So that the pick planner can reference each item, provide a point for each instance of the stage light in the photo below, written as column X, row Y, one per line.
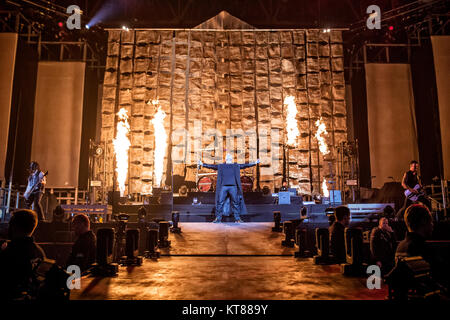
column 164, row 241
column 152, row 251
column 125, row 28
column 60, row 24
column 104, row 265
column 58, row 214
column 277, row 221
column 329, row 212
column 87, row 27
column 317, row 198
column 303, row 213
column 323, row 246
column 391, row 28
column 131, row 257
column 175, row 219
column 142, row 214
column 289, row 232
column 301, row 238
column 183, row 191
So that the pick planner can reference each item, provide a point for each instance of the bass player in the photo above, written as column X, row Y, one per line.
column 413, row 189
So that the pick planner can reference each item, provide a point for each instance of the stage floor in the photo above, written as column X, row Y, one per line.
column 203, row 265
column 254, row 238
column 228, row 278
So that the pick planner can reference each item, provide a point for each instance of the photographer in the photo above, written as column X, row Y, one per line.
column 20, row 257
column 383, row 245
column 84, row 249
column 420, row 228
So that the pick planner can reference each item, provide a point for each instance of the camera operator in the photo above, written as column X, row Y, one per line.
column 84, row 248
column 420, row 228
column 20, row 257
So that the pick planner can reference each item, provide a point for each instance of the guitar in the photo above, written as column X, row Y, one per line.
column 415, row 196
column 31, row 189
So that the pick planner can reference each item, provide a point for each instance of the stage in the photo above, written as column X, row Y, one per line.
column 227, row 261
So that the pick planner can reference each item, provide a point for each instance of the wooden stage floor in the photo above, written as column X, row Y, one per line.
column 227, row 262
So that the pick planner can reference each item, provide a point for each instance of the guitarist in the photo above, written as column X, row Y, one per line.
column 410, row 180
column 35, row 188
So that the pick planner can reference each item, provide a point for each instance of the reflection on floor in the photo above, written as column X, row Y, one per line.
column 268, row 272
column 227, row 239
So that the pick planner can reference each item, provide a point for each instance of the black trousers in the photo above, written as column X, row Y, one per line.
column 407, row 203
column 233, row 193
column 35, row 201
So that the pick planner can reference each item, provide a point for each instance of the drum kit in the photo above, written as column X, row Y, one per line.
column 207, row 182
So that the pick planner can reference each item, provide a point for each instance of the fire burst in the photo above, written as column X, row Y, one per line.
column 325, row 191
column 160, row 143
column 121, row 147
column 321, row 131
column 291, row 121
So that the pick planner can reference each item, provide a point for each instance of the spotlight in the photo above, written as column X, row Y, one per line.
column 183, row 191
column 104, row 265
column 87, row 26
column 175, row 219
column 329, row 212
column 304, row 213
column 301, row 238
column 142, row 213
column 125, row 28
column 152, row 251
column 58, row 214
column 277, row 221
column 131, row 257
column 289, row 233
column 322, row 246
column 164, row 241
column 317, row 198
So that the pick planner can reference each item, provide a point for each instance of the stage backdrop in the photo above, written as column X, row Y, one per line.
column 57, row 121
column 441, row 53
column 8, row 45
column 392, row 131
column 235, row 79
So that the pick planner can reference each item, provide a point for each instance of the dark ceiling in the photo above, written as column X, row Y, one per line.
column 259, row 13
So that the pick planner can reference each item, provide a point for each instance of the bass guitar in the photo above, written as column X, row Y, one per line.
column 30, row 189
column 415, row 196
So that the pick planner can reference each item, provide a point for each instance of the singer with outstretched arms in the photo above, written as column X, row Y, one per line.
column 229, row 184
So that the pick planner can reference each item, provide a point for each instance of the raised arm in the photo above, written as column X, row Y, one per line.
column 208, row 166
column 248, row 165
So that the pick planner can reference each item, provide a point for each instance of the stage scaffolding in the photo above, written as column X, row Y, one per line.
column 229, row 80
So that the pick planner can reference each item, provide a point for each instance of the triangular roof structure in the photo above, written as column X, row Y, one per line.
column 223, row 21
